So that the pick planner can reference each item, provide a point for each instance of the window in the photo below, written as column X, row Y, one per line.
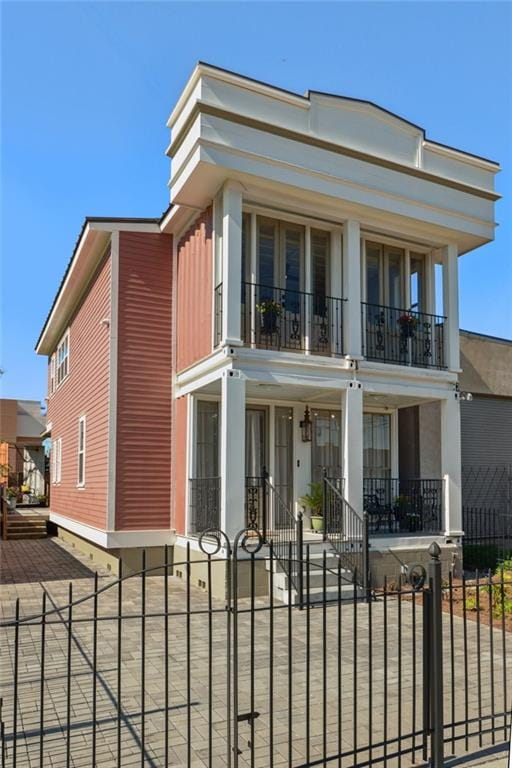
column 56, row 459
column 207, row 445
column 81, row 451
column 63, row 359
column 326, row 444
column 52, row 374
column 377, row 445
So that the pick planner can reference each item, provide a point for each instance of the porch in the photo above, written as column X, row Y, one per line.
column 252, row 459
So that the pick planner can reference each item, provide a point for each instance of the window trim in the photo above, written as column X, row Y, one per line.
column 57, row 461
column 64, row 340
column 52, row 374
column 81, row 452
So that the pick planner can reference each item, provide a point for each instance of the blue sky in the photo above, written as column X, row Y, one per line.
column 87, row 88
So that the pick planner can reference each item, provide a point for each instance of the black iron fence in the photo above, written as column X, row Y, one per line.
column 402, row 336
column 407, row 506
column 487, row 538
column 273, row 318
column 156, row 670
column 204, row 503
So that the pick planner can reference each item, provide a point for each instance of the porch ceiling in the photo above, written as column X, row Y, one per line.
column 312, row 395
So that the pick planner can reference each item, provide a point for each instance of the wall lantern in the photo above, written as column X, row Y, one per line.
column 306, row 427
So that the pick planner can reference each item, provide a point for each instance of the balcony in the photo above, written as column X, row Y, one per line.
column 274, row 318
column 402, row 336
column 403, row 506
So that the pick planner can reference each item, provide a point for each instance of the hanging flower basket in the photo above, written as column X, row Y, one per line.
column 407, row 325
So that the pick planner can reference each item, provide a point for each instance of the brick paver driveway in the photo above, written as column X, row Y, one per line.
column 129, row 709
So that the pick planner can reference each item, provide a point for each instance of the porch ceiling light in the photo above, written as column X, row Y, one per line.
column 306, row 427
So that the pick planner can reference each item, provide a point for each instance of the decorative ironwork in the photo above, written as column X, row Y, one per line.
column 102, row 666
column 405, row 337
column 403, row 506
column 273, row 318
column 204, row 504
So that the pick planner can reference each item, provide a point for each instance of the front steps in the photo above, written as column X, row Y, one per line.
column 26, row 526
column 346, row 591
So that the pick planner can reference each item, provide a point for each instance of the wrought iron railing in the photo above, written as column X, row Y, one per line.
column 273, row 318
column 403, row 336
column 346, row 531
column 218, row 314
column 403, row 506
column 204, row 504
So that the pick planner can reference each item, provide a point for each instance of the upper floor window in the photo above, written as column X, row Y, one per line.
column 395, row 277
column 62, row 360
column 81, row 451
column 52, row 374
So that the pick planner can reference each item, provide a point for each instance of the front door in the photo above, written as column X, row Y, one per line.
column 283, row 455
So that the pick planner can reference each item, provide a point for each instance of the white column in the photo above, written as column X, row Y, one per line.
column 336, row 291
column 231, row 261
column 451, row 464
column 352, row 288
column 352, row 424
column 451, row 306
column 232, row 453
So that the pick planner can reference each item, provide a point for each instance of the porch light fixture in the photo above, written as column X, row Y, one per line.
column 306, row 427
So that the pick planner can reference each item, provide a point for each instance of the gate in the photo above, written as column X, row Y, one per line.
column 152, row 669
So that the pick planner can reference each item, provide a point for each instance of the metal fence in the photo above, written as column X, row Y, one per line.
column 153, row 670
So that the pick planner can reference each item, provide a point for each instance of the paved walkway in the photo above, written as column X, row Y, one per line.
column 197, row 648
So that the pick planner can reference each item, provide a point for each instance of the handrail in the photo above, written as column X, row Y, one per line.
column 3, row 505
column 347, row 532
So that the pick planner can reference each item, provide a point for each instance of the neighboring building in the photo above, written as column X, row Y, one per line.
column 486, row 421
column 292, row 279
column 22, row 454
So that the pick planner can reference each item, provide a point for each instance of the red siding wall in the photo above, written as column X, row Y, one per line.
column 179, row 464
column 195, row 293
column 85, row 391
column 143, row 456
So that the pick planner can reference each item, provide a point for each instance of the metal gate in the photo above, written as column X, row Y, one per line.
column 152, row 669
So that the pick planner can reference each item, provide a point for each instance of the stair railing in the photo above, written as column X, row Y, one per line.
column 285, row 533
column 347, row 532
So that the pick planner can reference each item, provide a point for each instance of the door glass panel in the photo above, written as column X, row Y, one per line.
column 377, row 445
column 326, row 444
column 254, row 442
column 266, row 256
column 320, row 269
column 417, row 282
column 292, row 261
column 284, row 454
column 373, row 274
column 394, row 298
column 207, row 446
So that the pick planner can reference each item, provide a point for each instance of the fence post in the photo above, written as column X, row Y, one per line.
column 324, row 503
column 264, row 478
column 300, row 559
column 366, row 557
column 436, row 657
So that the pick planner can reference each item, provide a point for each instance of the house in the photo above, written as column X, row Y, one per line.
column 486, row 421
column 22, row 455
column 293, row 314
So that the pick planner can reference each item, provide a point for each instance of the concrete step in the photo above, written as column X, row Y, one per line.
column 316, row 595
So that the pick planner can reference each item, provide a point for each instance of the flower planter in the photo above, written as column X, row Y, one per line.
column 317, row 523
column 11, row 502
column 269, row 323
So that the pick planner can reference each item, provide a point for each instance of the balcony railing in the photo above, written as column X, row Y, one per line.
column 273, row 318
column 204, row 504
column 403, row 506
column 218, row 314
column 402, row 336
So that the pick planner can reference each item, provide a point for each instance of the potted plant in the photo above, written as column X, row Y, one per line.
column 314, row 501
column 269, row 310
column 11, row 494
column 407, row 323
column 41, row 499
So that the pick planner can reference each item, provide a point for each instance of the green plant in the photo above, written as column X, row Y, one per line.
column 471, row 603
column 41, row 498
column 269, row 306
column 11, row 492
column 315, row 499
